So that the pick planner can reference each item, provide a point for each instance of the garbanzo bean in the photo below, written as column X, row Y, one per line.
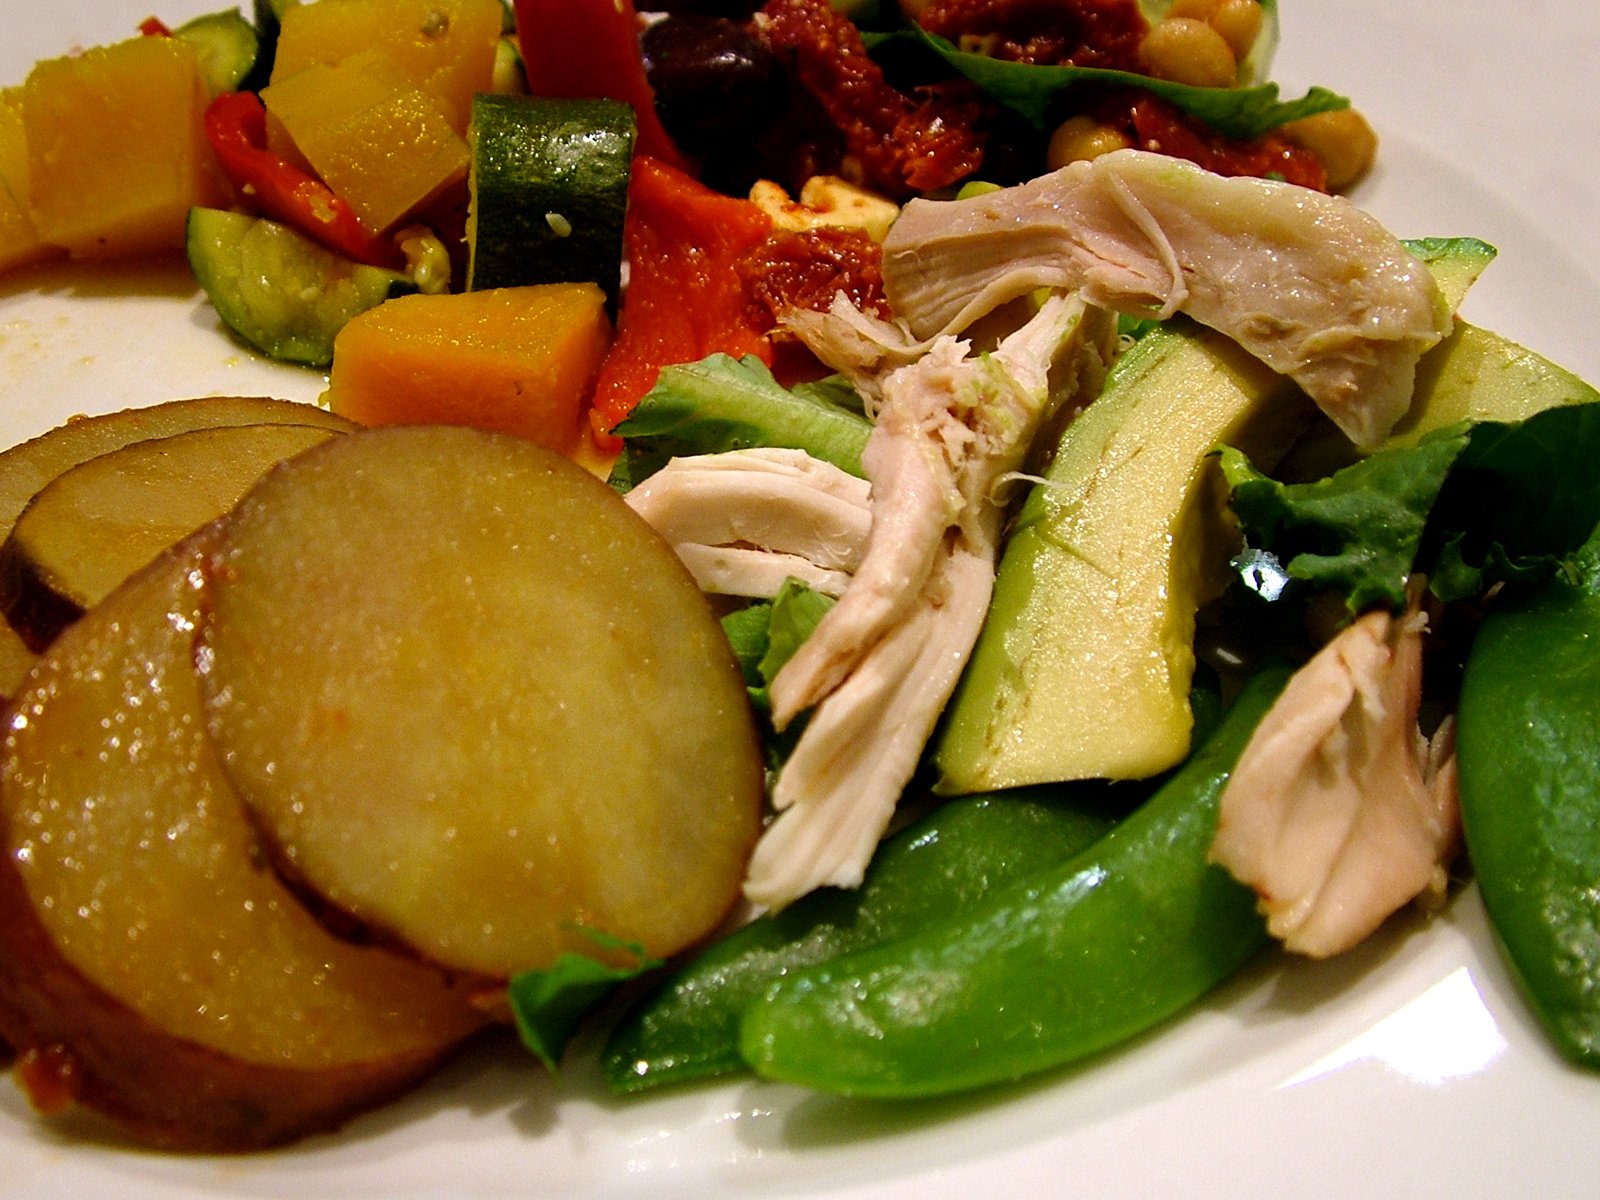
column 1080, row 138
column 1199, row 10
column 1184, row 50
column 1239, row 22
column 1342, row 139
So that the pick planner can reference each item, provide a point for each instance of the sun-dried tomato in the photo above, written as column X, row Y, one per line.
column 901, row 143
column 807, row 268
column 1153, row 124
column 1078, row 33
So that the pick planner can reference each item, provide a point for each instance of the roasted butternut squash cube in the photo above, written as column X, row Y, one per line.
column 117, row 151
column 445, row 47
column 383, row 144
column 19, row 240
column 517, row 360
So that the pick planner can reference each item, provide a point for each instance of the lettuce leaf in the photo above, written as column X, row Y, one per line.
column 548, row 1006
column 722, row 403
column 764, row 636
column 1471, row 506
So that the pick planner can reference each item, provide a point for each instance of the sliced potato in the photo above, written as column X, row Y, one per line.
column 28, row 466
column 476, row 703
column 96, row 523
column 147, row 959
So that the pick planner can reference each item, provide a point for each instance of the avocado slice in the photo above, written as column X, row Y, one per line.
column 1084, row 666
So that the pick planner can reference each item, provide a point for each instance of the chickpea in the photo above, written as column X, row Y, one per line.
column 1184, row 50
column 1078, row 139
column 1198, row 10
column 1239, row 22
column 1342, row 139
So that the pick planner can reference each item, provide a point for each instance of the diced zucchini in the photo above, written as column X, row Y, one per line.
column 227, row 46
column 549, row 187
column 277, row 289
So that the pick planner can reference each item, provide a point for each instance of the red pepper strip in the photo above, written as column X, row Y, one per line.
column 154, row 27
column 590, row 48
column 685, row 298
column 236, row 126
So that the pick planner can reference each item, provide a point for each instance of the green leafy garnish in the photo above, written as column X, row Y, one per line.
column 1471, row 505
column 1033, row 91
column 764, row 636
column 722, row 403
column 548, row 1006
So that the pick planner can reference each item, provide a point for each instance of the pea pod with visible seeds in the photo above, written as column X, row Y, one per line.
column 688, row 1027
column 1058, row 966
column 1528, row 746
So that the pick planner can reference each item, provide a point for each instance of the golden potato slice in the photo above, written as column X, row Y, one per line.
column 150, row 965
column 96, row 523
column 476, row 702
column 28, row 466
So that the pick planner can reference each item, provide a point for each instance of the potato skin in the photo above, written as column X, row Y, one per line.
column 166, row 1092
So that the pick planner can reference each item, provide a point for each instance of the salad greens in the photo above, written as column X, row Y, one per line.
column 1469, row 506
column 723, row 403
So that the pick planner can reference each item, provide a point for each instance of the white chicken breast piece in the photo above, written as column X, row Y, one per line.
column 879, row 667
column 1308, row 283
column 745, row 521
column 1339, row 812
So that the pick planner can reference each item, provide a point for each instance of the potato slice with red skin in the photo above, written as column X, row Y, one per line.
column 96, row 523
column 150, row 966
column 476, row 703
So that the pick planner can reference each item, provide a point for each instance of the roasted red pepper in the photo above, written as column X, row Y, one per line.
column 236, row 126
column 685, row 297
column 590, row 48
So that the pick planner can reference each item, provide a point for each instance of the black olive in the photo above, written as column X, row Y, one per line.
column 715, row 83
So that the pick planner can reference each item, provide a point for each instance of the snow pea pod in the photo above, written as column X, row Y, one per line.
column 1065, row 963
column 688, row 1026
column 1528, row 746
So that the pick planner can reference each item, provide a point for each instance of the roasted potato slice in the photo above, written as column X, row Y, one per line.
column 96, row 523
column 28, row 466
column 150, row 965
column 476, row 703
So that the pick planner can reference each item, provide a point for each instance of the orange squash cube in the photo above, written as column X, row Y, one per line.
column 383, row 144
column 518, row 360
column 117, row 151
column 444, row 47
column 19, row 240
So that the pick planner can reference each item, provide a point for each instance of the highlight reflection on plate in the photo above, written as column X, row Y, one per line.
column 1409, row 1068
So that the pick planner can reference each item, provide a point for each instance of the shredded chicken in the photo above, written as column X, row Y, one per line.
column 1340, row 812
column 745, row 521
column 880, row 666
column 1308, row 283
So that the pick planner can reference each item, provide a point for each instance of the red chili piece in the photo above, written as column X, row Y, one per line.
column 685, row 298
column 590, row 48
column 236, row 126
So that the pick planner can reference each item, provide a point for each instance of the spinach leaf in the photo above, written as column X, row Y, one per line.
column 1032, row 91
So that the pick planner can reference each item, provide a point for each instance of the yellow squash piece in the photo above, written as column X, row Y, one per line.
column 518, row 360
column 445, row 47
column 383, row 144
column 19, row 240
column 116, row 147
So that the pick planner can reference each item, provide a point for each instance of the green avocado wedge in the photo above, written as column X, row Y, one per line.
column 1529, row 756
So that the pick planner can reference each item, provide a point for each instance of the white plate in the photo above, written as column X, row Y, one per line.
column 1407, row 1069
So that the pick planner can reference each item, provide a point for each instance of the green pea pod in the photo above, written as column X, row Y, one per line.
column 688, row 1027
column 1065, row 963
column 1528, row 748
